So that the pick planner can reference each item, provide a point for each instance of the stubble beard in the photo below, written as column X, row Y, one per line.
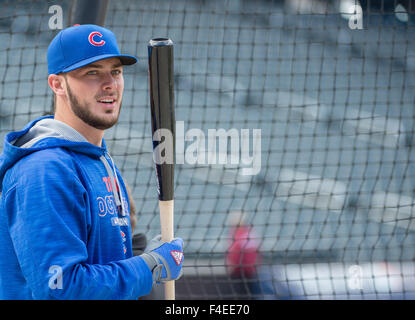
column 83, row 112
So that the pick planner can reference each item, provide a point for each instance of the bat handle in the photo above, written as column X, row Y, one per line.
column 167, row 234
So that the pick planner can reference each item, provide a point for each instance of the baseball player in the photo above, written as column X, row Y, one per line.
column 65, row 228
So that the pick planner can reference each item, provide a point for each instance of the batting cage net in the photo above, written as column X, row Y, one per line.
column 294, row 174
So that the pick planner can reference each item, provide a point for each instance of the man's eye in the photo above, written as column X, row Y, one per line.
column 92, row 72
column 116, row 72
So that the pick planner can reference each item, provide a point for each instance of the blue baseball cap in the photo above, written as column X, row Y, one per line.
column 77, row 46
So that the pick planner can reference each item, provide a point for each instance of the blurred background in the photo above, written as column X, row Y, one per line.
column 331, row 86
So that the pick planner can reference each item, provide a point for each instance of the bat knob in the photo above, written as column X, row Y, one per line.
column 159, row 42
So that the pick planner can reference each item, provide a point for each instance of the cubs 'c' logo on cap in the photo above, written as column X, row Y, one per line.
column 95, row 34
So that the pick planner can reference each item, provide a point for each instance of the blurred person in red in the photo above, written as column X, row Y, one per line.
column 243, row 260
column 250, row 278
column 243, row 254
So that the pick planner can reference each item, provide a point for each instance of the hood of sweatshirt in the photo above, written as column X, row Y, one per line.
column 46, row 132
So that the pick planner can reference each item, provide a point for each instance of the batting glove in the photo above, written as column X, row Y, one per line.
column 165, row 259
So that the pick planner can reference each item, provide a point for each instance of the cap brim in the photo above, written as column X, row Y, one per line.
column 125, row 60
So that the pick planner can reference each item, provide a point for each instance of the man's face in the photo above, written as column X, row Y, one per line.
column 95, row 92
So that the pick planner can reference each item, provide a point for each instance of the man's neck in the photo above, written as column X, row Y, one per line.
column 93, row 135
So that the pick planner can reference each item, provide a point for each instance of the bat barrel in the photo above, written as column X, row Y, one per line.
column 161, row 77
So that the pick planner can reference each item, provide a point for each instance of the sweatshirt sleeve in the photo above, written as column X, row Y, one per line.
column 48, row 224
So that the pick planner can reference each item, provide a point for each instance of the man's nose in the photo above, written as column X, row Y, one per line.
column 109, row 82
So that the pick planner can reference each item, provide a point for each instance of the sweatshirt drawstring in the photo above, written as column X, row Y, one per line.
column 119, row 186
column 119, row 201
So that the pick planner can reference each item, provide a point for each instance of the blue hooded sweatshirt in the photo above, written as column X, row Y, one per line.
column 64, row 219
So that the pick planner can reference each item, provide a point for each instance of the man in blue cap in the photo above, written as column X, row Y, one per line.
column 64, row 211
column 85, row 73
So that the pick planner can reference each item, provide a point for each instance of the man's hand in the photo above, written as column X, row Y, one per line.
column 165, row 259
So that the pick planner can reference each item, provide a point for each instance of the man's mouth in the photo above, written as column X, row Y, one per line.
column 107, row 101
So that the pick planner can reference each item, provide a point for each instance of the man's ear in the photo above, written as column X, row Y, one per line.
column 57, row 84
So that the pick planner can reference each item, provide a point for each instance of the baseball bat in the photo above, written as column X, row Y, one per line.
column 161, row 78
